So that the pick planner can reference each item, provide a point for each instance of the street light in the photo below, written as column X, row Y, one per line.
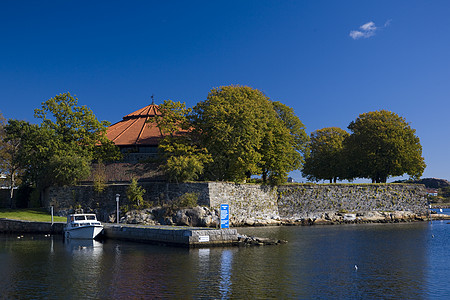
column 117, row 202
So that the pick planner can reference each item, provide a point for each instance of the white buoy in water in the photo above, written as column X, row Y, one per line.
column 356, row 268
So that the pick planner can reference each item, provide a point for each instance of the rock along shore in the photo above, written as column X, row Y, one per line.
column 206, row 217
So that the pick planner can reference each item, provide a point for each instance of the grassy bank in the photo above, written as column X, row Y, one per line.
column 37, row 215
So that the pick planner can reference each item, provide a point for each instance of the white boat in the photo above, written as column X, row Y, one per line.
column 82, row 226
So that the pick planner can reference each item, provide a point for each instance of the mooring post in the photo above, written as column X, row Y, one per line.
column 51, row 208
column 429, row 214
column 117, row 202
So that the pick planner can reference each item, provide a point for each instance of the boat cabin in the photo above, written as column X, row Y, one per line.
column 76, row 220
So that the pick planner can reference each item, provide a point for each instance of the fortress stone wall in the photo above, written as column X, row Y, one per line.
column 250, row 201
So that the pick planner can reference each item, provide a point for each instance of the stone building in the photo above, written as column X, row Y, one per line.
column 135, row 135
column 137, row 138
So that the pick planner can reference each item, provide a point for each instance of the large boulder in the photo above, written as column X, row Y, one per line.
column 197, row 217
column 194, row 217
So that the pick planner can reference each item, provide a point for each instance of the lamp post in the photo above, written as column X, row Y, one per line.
column 117, row 202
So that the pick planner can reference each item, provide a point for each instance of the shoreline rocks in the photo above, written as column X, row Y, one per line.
column 193, row 217
column 205, row 217
column 244, row 240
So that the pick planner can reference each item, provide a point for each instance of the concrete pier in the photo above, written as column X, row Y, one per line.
column 172, row 235
column 19, row 226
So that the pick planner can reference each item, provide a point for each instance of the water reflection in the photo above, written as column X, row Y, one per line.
column 225, row 273
column 83, row 265
column 202, row 277
column 92, row 248
column 395, row 261
column 203, row 263
column 320, row 261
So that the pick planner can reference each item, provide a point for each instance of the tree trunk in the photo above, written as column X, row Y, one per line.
column 11, row 192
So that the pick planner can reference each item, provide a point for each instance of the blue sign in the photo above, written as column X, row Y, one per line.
column 224, row 216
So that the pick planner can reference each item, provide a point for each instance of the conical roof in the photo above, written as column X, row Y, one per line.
column 134, row 130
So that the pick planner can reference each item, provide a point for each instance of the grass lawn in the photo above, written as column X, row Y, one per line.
column 30, row 214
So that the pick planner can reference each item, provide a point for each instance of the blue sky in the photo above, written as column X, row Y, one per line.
column 329, row 60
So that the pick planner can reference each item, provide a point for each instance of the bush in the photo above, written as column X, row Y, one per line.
column 99, row 177
column 135, row 194
column 187, row 200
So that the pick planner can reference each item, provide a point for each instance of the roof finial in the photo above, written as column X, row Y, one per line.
column 153, row 100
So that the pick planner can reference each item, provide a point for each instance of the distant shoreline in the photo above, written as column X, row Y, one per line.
column 22, row 226
column 440, row 205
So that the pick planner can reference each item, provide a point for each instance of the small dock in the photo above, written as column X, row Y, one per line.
column 157, row 234
column 172, row 235
column 181, row 236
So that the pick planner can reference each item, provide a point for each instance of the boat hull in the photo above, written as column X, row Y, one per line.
column 83, row 232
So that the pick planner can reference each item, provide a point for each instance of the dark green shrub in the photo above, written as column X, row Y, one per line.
column 187, row 200
column 135, row 194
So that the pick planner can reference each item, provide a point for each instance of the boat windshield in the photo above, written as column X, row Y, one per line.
column 90, row 217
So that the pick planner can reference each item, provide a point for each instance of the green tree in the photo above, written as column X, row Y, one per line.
column 135, row 194
column 59, row 150
column 76, row 128
column 235, row 133
column 283, row 145
column 173, row 119
column 247, row 134
column 383, row 144
column 231, row 123
column 326, row 159
column 99, row 176
column 32, row 154
column 67, row 168
column 183, row 159
column 9, row 165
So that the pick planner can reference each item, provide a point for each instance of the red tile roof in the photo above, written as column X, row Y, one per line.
column 133, row 129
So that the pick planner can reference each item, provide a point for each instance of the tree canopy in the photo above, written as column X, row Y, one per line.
column 183, row 159
column 8, row 162
column 326, row 159
column 230, row 124
column 383, row 144
column 283, row 145
column 76, row 128
column 235, row 133
column 59, row 150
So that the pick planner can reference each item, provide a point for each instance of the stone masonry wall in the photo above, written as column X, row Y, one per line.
column 66, row 199
column 250, row 201
column 10, row 226
column 309, row 200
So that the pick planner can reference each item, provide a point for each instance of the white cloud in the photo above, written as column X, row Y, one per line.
column 356, row 34
column 367, row 30
column 369, row 27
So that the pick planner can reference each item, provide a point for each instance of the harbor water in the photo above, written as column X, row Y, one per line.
column 369, row 261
